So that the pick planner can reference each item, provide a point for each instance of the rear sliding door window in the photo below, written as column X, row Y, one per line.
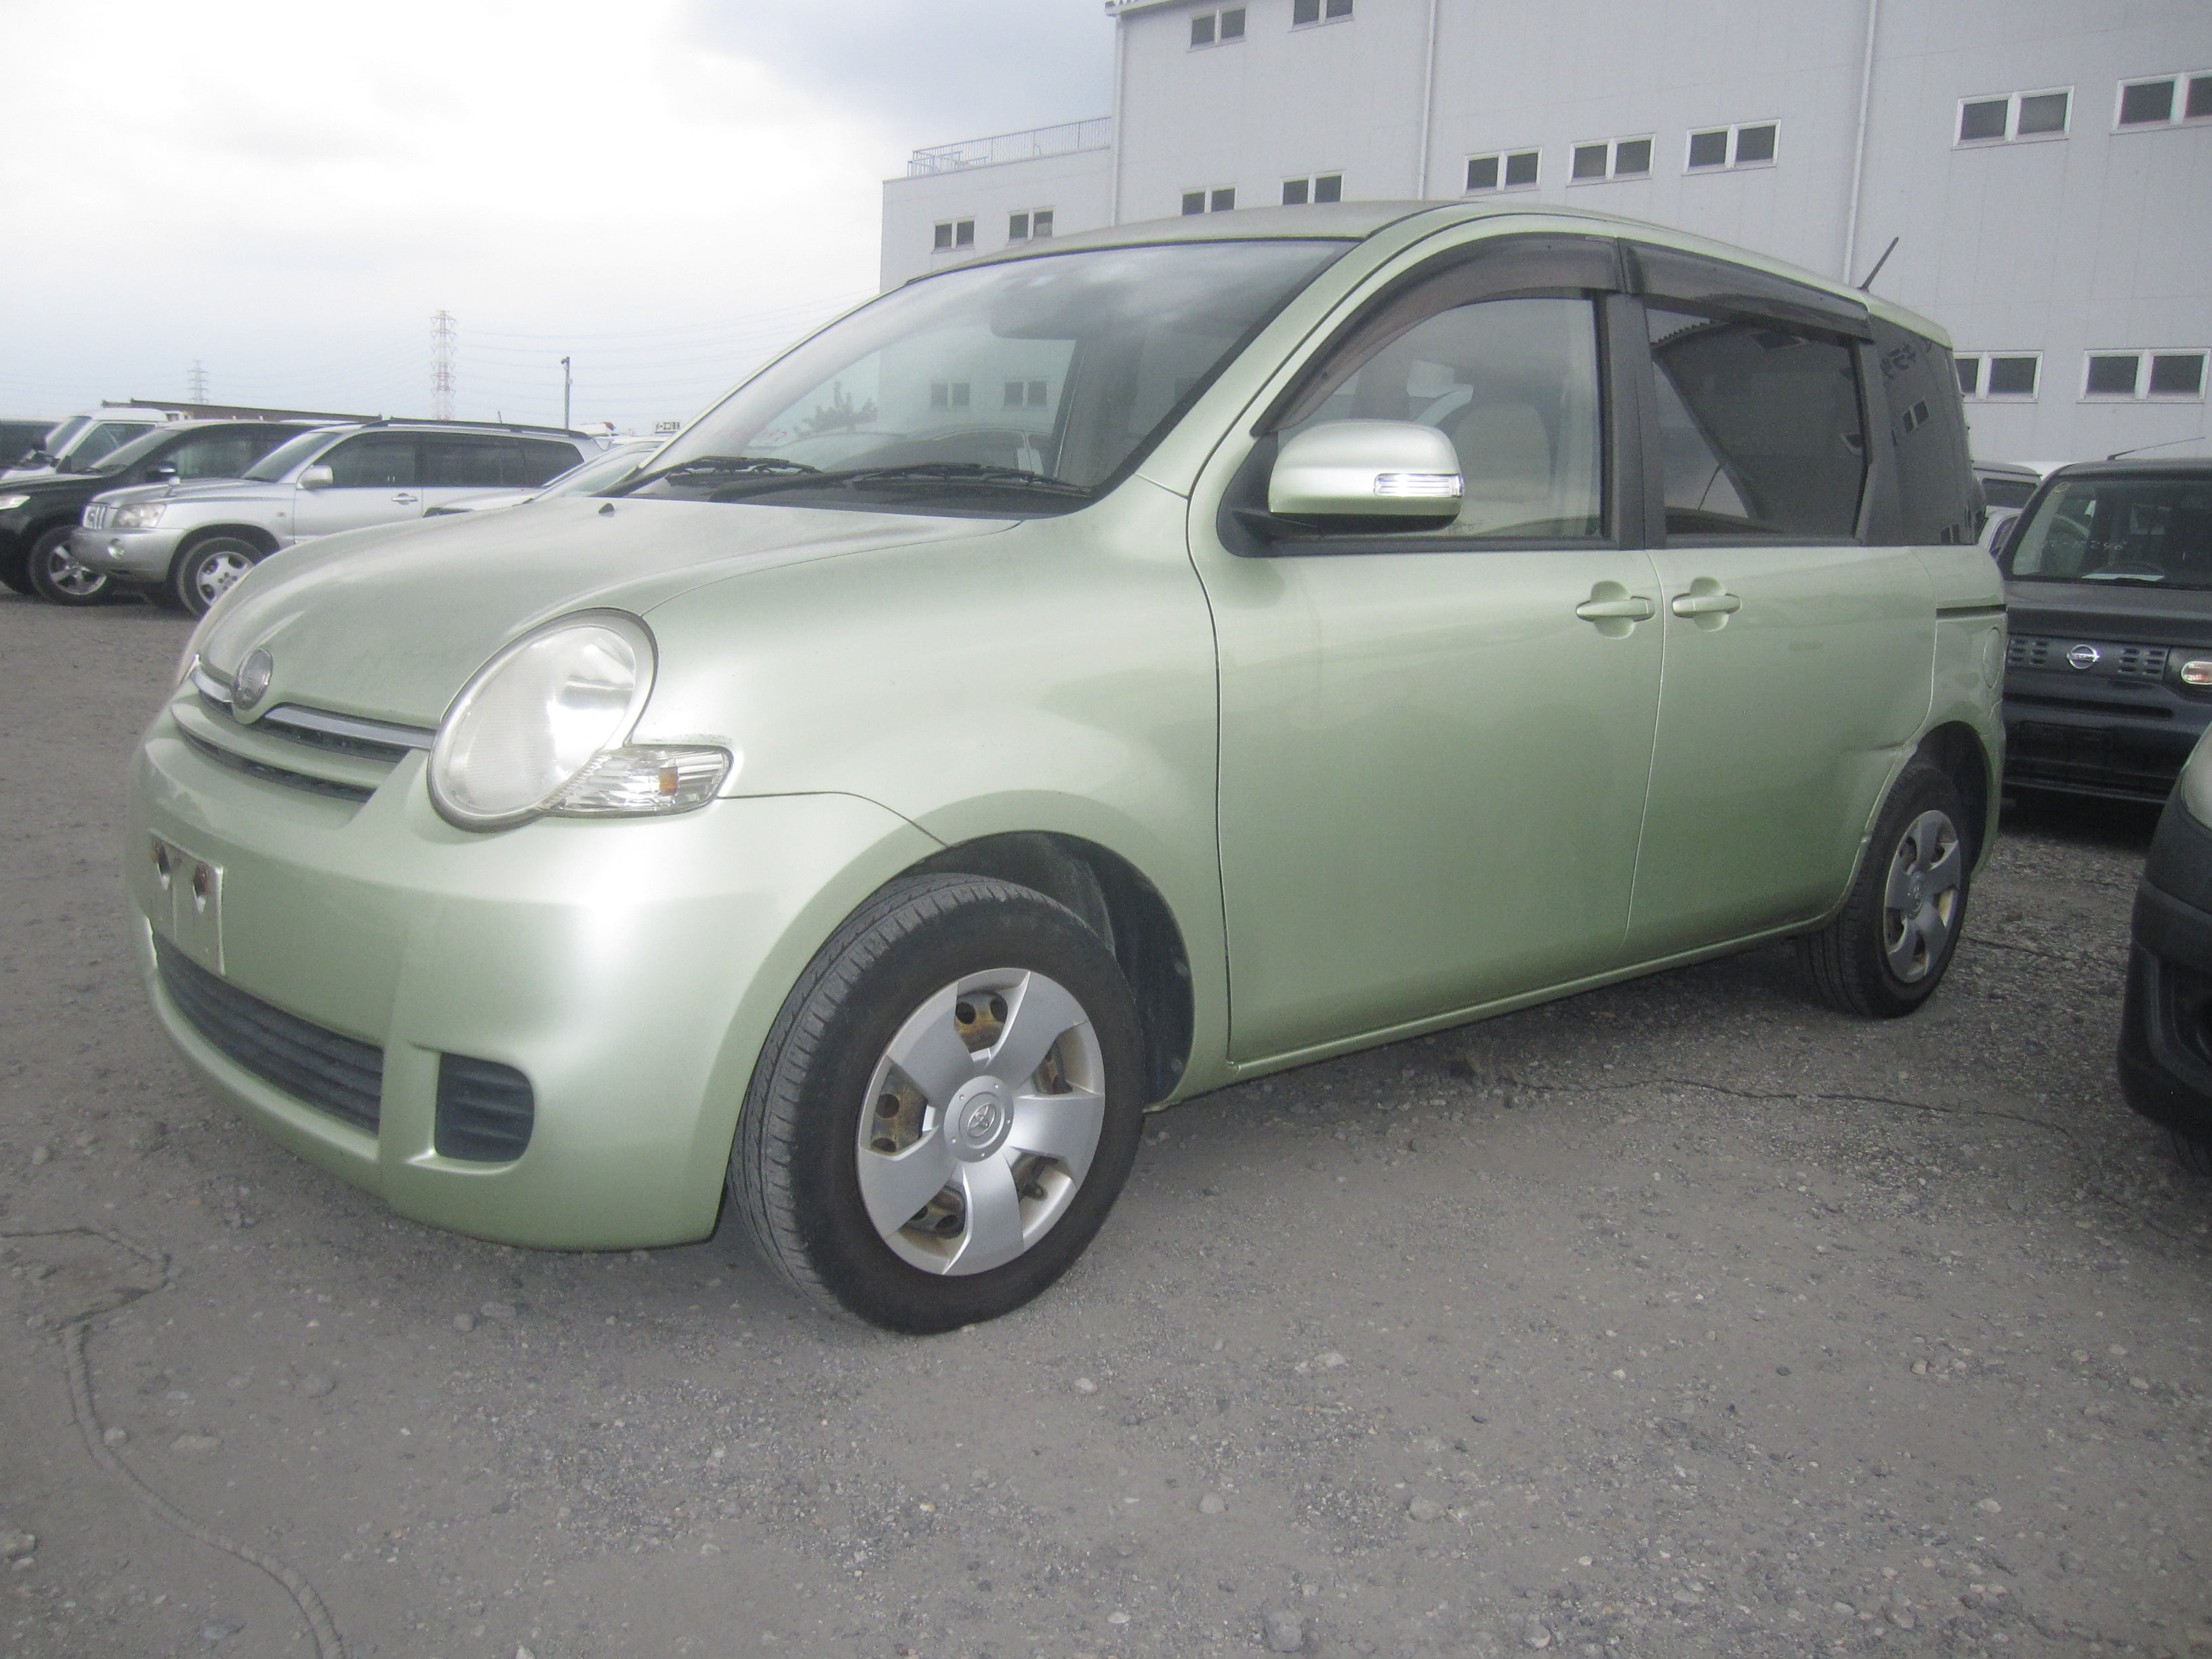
column 1759, row 429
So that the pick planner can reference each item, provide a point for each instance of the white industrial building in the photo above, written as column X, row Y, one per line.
column 2043, row 167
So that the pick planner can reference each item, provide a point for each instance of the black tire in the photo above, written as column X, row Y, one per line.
column 826, row 1077
column 2192, row 1154
column 205, row 571
column 15, row 569
column 1888, row 949
column 59, row 578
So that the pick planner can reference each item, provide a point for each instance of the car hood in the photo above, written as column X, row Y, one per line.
column 390, row 624
column 198, row 490
column 2099, row 610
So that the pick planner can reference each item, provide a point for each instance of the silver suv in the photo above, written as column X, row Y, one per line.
column 187, row 543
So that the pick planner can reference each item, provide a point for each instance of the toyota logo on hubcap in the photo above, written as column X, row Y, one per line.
column 2085, row 657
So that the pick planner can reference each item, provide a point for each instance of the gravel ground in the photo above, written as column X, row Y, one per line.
column 1683, row 1318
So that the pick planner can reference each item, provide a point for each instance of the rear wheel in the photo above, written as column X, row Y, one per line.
column 209, row 569
column 945, row 1109
column 1886, row 951
column 57, row 575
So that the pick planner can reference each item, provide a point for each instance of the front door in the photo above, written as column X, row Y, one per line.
column 1435, row 747
column 374, row 480
column 1798, row 659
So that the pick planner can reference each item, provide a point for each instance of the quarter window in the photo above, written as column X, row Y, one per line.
column 955, row 234
column 1611, row 158
column 2165, row 100
column 1324, row 187
column 2162, row 374
column 1750, row 145
column 1759, row 429
column 1513, row 169
column 2000, row 373
column 2002, row 118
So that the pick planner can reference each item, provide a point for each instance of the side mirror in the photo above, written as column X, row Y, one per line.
column 160, row 472
column 318, row 476
column 1367, row 469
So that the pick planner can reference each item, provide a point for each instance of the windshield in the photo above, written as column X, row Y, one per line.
column 2119, row 530
column 599, row 471
column 283, row 458
column 1008, row 389
column 96, row 442
column 130, row 454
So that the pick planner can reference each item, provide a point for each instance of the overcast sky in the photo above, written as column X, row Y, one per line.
column 285, row 191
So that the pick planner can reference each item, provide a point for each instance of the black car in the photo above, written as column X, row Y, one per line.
column 21, row 437
column 38, row 513
column 2165, row 1025
column 2108, row 584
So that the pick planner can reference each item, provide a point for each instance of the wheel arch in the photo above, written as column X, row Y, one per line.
column 1123, row 906
column 1957, row 749
column 245, row 533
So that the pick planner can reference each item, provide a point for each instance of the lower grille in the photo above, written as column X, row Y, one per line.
column 2094, row 762
column 485, row 1110
column 336, row 1074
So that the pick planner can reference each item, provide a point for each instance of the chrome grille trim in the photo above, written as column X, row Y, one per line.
column 314, row 725
column 268, row 773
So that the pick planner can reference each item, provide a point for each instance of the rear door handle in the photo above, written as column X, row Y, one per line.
column 404, row 496
column 1695, row 603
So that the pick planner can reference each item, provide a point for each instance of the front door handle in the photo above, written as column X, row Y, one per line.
column 1633, row 607
column 1698, row 603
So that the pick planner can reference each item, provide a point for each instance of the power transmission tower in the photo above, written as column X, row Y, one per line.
column 196, row 384
column 442, row 341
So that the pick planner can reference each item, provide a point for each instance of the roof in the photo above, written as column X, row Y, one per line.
column 1352, row 222
column 2167, row 466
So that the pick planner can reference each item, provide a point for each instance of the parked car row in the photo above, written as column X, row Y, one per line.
column 180, row 513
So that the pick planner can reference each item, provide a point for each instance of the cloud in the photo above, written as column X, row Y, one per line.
column 665, row 190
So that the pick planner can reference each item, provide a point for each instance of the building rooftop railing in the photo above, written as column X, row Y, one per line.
column 1063, row 140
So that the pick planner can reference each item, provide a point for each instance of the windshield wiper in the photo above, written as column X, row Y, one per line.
column 718, row 466
column 988, row 475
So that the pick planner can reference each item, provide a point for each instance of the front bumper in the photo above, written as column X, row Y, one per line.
column 629, row 970
column 2165, row 1021
column 142, row 555
column 2065, row 738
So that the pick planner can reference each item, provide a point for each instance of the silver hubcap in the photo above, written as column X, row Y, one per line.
column 78, row 581
column 1921, row 905
column 215, row 573
column 981, row 1121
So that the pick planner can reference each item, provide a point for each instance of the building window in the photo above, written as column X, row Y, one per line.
column 1220, row 199
column 1613, row 158
column 2015, row 115
column 1513, row 170
column 1751, row 145
column 1318, row 11
column 1999, row 373
column 2138, row 374
column 1211, row 28
column 1028, row 394
column 1035, row 225
column 1322, row 187
column 948, row 394
column 2165, row 100
column 955, row 233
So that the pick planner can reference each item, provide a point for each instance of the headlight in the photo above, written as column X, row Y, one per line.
column 537, row 731
column 9, row 503
column 137, row 516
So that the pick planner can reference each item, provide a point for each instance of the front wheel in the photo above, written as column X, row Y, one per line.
column 59, row 577
column 207, row 569
column 1888, row 949
column 945, row 1109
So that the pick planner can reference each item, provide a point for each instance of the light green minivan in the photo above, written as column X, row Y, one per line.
column 1074, row 681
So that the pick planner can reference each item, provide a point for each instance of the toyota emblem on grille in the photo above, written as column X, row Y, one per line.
column 253, row 682
column 2083, row 657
